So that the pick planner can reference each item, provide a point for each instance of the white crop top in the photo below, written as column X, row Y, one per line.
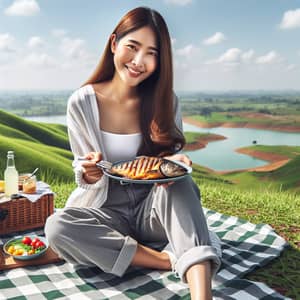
column 121, row 146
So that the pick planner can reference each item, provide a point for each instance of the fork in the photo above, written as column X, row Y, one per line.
column 102, row 164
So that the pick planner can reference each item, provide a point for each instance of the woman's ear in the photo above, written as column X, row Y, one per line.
column 113, row 42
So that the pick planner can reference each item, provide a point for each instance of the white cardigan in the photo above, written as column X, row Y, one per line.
column 84, row 136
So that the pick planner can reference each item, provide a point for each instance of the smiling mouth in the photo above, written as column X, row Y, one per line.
column 132, row 72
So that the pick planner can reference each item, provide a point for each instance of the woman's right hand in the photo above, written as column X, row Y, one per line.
column 91, row 173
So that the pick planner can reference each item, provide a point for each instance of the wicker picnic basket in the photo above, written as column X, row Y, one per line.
column 21, row 214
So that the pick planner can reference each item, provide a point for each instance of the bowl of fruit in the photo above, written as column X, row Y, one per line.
column 26, row 247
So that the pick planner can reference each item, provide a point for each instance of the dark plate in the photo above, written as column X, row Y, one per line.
column 150, row 181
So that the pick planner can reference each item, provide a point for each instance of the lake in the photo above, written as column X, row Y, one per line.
column 220, row 155
column 61, row 119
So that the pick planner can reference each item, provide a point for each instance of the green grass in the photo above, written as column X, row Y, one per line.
column 279, row 209
column 288, row 151
column 221, row 117
column 49, row 135
column 193, row 137
column 286, row 177
column 29, row 155
column 217, row 118
column 250, row 195
column 35, row 144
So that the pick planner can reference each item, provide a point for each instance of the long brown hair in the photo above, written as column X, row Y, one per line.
column 160, row 133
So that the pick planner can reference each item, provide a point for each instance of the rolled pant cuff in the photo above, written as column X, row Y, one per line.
column 197, row 255
column 125, row 257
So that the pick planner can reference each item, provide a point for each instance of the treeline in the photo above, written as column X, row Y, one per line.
column 47, row 103
column 35, row 104
column 273, row 105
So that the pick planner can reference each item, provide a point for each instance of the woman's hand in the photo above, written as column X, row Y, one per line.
column 91, row 173
column 179, row 157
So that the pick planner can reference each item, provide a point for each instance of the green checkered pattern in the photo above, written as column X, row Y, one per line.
column 245, row 246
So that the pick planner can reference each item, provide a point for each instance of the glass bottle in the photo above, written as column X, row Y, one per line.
column 11, row 175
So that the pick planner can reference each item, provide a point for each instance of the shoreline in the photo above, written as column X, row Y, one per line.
column 202, row 142
column 265, row 168
column 275, row 160
column 281, row 128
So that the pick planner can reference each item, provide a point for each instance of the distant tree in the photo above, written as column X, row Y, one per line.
column 265, row 111
column 206, row 112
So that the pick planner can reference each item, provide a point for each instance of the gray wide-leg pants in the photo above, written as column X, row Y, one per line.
column 135, row 213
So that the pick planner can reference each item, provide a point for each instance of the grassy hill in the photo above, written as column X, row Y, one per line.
column 286, row 177
column 53, row 135
column 46, row 146
column 36, row 145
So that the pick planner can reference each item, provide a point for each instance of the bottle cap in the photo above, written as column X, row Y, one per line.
column 10, row 153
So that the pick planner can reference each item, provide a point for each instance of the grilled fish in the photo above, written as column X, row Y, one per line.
column 147, row 167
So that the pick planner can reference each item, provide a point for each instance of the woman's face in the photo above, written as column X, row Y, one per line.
column 135, row 55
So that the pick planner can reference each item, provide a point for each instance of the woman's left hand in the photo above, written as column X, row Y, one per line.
column 179, row 157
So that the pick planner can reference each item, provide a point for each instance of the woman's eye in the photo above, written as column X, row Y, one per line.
column 153, row 53
column 132, row 47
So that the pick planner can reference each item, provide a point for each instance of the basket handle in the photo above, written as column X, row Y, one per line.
column 3, row 214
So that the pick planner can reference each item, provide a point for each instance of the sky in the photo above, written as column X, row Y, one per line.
column 217, row 45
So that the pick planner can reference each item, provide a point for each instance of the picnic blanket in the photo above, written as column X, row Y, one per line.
column 245, row 246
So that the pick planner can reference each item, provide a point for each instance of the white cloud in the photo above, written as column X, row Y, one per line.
column 74, row 48
column 248, row 55
column 23, row 8
column 217, row 38
column 187, row 51
column 35, row 42
column 179, row 2
column 59, row 32
column 271, row 57
column 290, row 19
column 291, row 67
column 235, row 58
column 232, row 55
column 173, row 41
column 180, row 65
column 76, row 54
column 39, row 60
column 6, row 42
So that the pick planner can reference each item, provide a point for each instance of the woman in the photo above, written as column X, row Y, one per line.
column 127, row 108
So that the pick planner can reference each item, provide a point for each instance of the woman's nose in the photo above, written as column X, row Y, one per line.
column 138, row 60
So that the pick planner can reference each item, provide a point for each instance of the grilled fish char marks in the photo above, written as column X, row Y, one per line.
column 146, row 167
